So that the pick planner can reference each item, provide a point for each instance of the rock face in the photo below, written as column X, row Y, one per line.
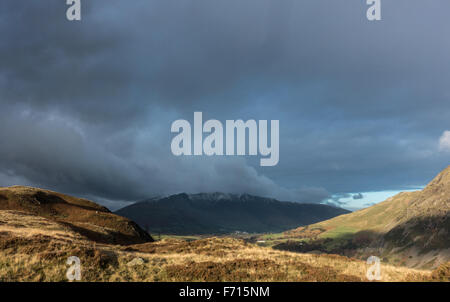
column 221, row 213
column 82, row 216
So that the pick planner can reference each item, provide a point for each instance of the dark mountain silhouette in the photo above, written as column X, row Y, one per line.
column 218, row 213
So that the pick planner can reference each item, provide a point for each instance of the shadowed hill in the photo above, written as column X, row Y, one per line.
column 85, row 217
column 218, row 213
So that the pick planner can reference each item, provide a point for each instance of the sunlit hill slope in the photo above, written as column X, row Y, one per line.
column 411, row 228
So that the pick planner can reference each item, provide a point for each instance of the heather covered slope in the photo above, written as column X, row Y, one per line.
column 33, row 248
column 412, row 228
column 82, row 216
column 219, row 213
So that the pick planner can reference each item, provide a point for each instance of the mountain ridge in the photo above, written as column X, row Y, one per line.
column 215, row 213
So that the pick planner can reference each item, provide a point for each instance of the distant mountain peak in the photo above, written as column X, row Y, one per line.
column 216, row 212
column 220, row 196
column 211, row 196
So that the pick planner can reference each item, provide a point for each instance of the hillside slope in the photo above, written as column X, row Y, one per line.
column 82, row 216
column 33, row 248
column 414, row 226
column 219, row 213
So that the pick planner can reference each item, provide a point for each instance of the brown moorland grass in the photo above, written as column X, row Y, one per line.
column 36, row 249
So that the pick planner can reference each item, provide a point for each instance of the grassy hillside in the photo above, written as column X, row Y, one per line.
column 80, row 215
column 379, row 218
column 408, row 229
column 33, row 248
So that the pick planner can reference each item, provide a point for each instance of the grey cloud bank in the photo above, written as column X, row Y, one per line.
column 86, row 107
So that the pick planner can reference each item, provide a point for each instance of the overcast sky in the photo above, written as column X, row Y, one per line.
column 86, row 107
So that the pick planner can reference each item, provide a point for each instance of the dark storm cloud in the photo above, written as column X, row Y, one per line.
column 87, row 106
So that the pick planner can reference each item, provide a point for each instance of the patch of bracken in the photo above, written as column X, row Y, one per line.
column 254, row 270
column 238, row 270
column 442, row 273
column 218, row 247
column 14, row 244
